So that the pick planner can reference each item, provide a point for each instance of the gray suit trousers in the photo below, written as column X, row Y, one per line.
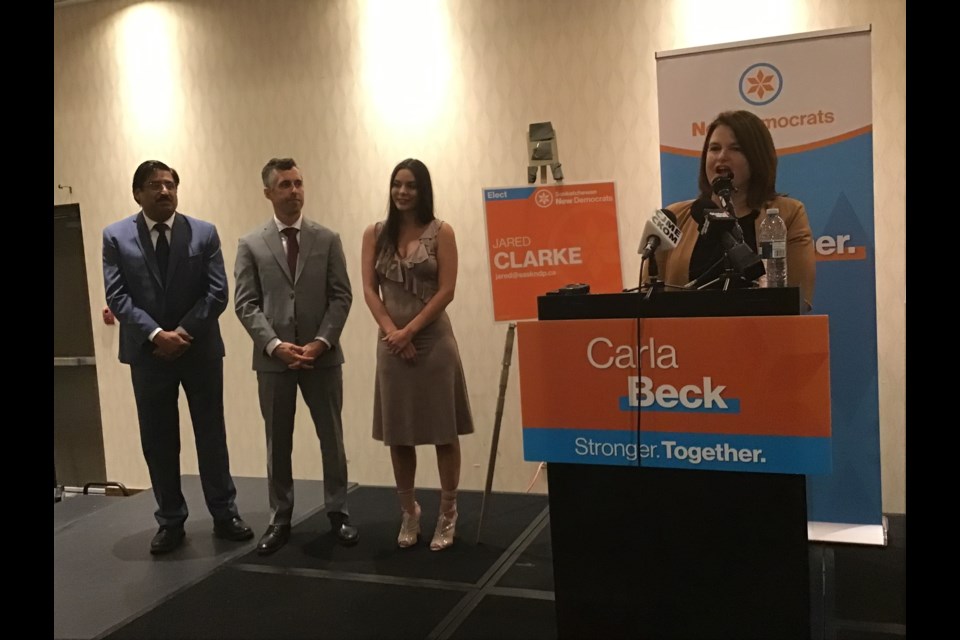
column 322, row 390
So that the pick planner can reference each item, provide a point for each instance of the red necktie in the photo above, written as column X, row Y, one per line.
column 293, row 250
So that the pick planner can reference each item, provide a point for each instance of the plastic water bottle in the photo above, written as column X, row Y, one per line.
column 773, row 249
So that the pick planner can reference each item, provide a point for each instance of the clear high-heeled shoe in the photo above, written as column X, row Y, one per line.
column 409, row 528
column 446, row 528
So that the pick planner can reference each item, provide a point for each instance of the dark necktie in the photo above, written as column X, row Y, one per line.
column 293, row 250
column 163, row 250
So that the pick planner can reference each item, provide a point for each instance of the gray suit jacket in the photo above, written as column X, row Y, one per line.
column 272, row 303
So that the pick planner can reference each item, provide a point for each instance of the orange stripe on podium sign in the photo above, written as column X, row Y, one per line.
column 744, row 375
column 541, row 238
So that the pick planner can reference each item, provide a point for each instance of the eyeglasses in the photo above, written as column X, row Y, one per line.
column 158, row 185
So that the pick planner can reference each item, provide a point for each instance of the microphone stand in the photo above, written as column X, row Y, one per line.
column 724, row 190
column 653, row 278
column 727, row 275
column 727, row 204
column 654, row 282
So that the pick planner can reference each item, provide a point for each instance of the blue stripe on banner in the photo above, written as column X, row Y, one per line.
column 678, row 177
column 519, row 193
column 733, row 406
column 708, row 451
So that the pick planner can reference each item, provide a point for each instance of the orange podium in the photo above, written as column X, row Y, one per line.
column 677, row 429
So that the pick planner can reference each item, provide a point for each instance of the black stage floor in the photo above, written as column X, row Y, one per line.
column 106, row 584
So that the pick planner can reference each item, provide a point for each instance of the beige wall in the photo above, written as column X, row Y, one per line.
column 349, row 88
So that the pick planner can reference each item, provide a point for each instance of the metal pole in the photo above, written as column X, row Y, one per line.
column 504, row 376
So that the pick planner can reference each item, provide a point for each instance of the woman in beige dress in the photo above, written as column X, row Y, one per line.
column 420, row 395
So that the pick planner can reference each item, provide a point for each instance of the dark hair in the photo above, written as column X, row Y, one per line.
column 757, row 145
column 146, row 169
column 390, row 235
column 276, row 164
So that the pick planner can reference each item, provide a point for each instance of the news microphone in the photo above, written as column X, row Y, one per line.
column 698, row 211
column 725, row 228
column 700, row 205
column 660, row 233
column 716, row 222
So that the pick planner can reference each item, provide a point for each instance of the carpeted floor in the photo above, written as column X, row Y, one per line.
column 377, row 514
column 498, row 588
column 315, row 588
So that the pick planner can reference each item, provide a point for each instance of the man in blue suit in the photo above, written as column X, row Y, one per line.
column 165, row 282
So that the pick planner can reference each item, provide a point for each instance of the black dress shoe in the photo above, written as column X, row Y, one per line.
column 166, row 540
column 346, row 533
column 233, row 529
column 275, row 537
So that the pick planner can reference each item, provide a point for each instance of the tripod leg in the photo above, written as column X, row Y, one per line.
column 504, row 376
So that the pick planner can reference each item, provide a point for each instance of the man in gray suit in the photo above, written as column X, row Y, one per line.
column 293, row 296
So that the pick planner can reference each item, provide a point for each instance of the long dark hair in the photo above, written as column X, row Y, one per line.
column 390, row 236
column 757, row 146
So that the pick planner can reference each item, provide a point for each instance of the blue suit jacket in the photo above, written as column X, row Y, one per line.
column 193, row 297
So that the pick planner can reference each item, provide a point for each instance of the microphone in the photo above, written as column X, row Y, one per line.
column 698, row 212
column 660, row 233
column 717, row 222
column 724, row 227
column 698, row 207
column 723, row 188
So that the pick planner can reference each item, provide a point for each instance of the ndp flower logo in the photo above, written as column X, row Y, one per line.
column 543, row 198
column 761, row 83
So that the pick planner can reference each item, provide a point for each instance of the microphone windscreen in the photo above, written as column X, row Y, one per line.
column 661, row 229
column 723, row 183
column 699, row 206
column 718, row 221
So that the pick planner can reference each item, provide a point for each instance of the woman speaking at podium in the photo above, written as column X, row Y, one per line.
column 739, row 146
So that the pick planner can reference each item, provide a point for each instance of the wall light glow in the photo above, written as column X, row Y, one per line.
column 706, row 22
column 407, row 67
column 148, row 59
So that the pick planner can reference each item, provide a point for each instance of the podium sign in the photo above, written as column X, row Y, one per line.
column 723, row 394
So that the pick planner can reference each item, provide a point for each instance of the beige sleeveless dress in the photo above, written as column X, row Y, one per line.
column 424, row 402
